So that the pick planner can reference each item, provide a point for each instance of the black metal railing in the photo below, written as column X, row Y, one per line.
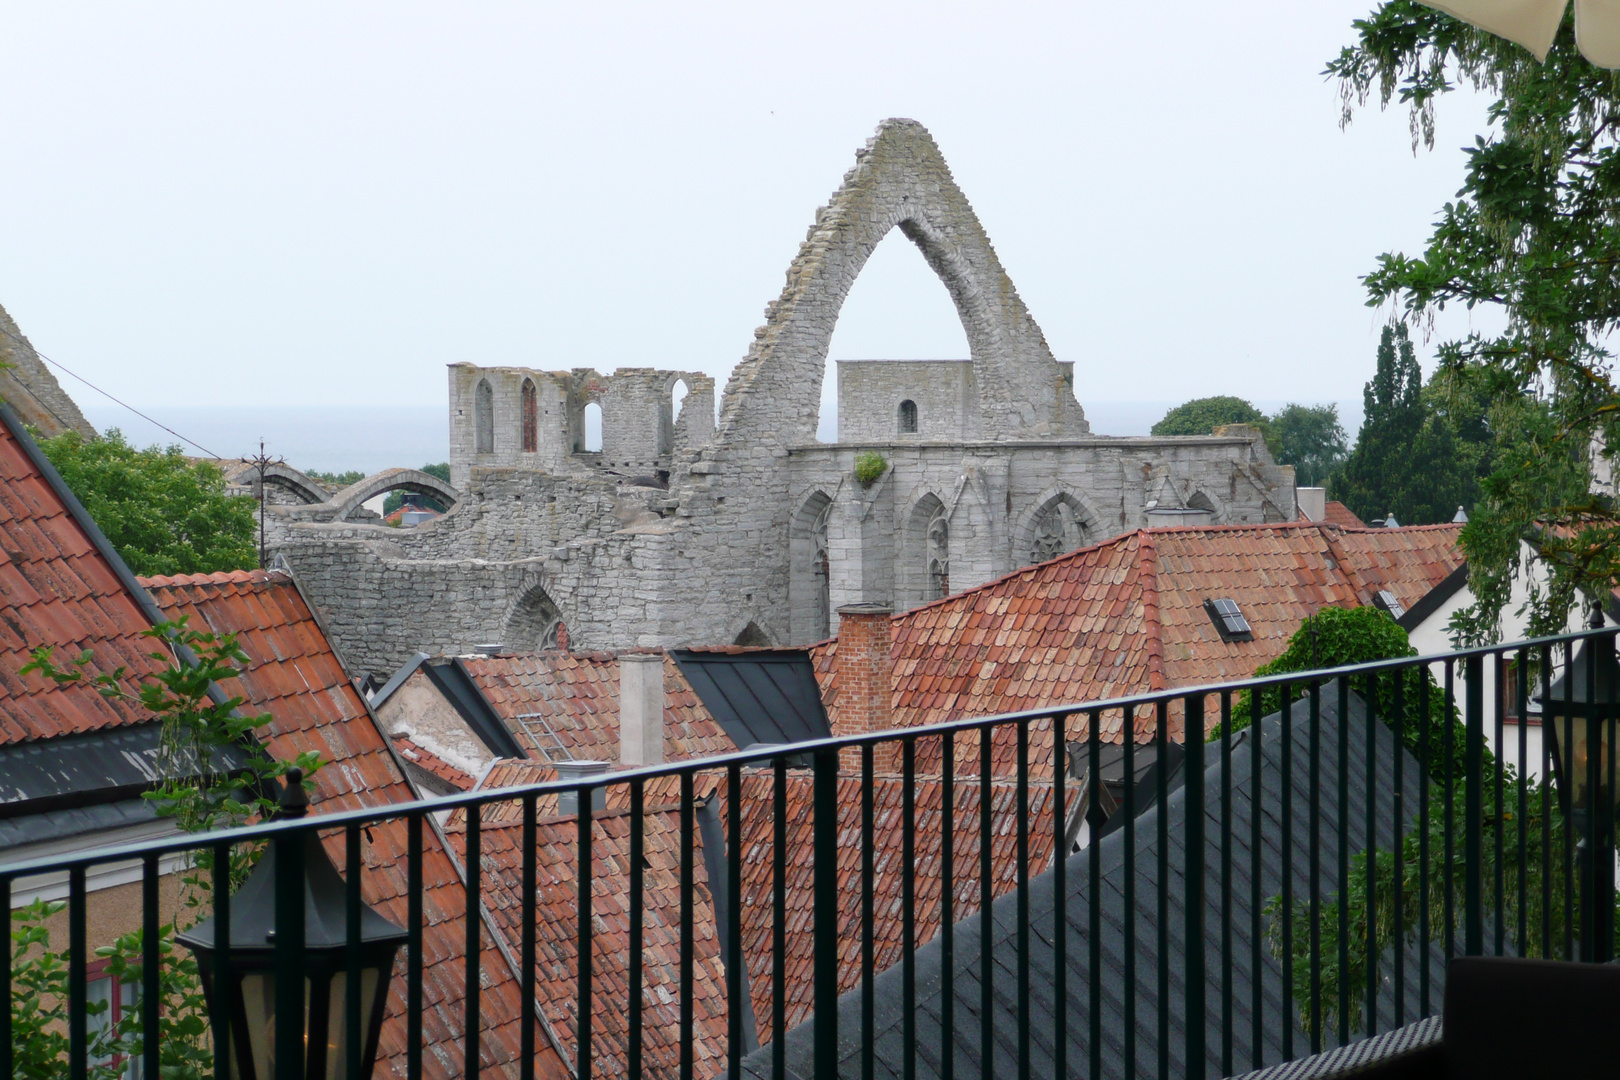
column 1291, row 886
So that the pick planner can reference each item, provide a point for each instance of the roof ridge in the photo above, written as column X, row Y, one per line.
column 1359, row 584
column 1148, row 572
column 216, row 577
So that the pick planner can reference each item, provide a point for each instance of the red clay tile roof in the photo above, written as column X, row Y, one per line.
column 578, row 694
column 419, row 755
column 58, row 588
column 1126, row 616
column 293, row 674
column 1336, row 513
column 558, row 935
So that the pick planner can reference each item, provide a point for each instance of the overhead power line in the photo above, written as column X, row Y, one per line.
column 106, row 395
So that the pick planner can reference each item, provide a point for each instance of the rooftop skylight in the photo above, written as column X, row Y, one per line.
column 1228, row 619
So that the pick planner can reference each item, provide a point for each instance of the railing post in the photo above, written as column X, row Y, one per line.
column 289, row 848
column 826, row 912
column 1193, row 767
column 1603, row 885
column 1473, row 808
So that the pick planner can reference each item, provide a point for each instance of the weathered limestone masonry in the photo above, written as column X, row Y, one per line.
column 684, row 530
column 33, row 393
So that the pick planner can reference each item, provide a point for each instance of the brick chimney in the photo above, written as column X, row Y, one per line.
column 641, row 709
column 865, row 682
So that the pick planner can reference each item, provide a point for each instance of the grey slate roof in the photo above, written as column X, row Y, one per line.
column 890, row 1006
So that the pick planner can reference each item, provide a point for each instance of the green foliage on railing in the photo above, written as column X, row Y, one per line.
column 200, row 799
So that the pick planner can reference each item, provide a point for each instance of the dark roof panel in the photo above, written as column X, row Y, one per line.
column 758, row 696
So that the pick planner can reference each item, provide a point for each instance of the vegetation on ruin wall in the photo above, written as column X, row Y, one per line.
column 1530, row 235
column 869, row 467
column 194, row 729
column 165, row 513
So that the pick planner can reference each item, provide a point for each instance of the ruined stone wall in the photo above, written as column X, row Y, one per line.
column 763, row 532
column 33, row 393
column 870, row 392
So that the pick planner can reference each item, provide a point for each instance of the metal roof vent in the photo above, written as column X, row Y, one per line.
column 490, row 649
column 568, row 801
column 1228, row 619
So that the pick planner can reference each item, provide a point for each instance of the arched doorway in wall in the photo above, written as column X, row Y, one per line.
column 531, row 418
column 810, row 570
column 677, row 398
column 484, row 417
column 534, row 624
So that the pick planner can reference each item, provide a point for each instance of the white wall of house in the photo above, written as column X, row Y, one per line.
column 1432, row 636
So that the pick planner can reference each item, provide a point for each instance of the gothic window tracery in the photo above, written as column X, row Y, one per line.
column 821, row 567
column 939, row 556
column 1056, row 532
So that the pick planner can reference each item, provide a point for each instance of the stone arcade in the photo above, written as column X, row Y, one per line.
column 681, row 529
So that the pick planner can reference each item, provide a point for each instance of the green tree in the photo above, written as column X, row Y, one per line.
column 1530, row 235
column 337, row 481
column 1310, row 438
column 164, row 512
column 1201, row 416
column 396, row 499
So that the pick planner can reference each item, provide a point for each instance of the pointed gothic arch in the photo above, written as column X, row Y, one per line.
column 535, row 623
column 1059, row 521
column 900, row 180
column 923, row 570
column 530, row 418
column 484, row 417
column 810, row 570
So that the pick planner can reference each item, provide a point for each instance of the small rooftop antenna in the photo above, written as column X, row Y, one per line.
column 261, row 463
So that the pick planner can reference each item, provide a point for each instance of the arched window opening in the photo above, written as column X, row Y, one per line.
column 677, row 398
column 752, row 637
column 1057, row 531
column 531, row 418
column 810, row 573
column 593, row 428
column 484, row 417
column 939, row 556
column 535, row 623
column 908, row 417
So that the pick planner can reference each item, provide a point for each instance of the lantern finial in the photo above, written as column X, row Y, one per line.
column 293, row 802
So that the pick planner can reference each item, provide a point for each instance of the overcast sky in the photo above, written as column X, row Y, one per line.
column 326, row 203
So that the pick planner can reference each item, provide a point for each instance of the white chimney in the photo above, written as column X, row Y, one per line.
column 1312, row 502
column 641, row 709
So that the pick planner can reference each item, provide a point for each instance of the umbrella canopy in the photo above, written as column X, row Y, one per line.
column 1534, row 24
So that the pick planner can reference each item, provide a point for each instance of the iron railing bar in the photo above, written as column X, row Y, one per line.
column 290, row 1041
column 1094, row 891
column 471, row 1026
column 779, row 842
column 1397, row 820
column 908, row 909
column 1286, row 839
column 1129, row 807
column 825, row 862
column 1161, row 794
column 947, row 906
column 638, row 916
column 529, row 902
column 1314, row 782
column 1521, row 710
column 1343, row 768
column 78, row 1035
column 1227, row 959
column 1256, row 935
column 736, row 985
column 413, row 945
column 1426, row 768
column 1565, row 747
column 1370, row 948
column 1021, row 825
column 868, row 922
column 353, row 1032
column 1546, row 793
column 1499, row 833
column 151, row 973
column 1194, row 903
column 8, row 1062
column 1450, row 844
column 688, row 887
column 1060, row 905
column 987, row 1017
column 1473, row 884
column 219, row 1008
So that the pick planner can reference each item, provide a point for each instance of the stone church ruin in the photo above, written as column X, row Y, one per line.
column 686, row 529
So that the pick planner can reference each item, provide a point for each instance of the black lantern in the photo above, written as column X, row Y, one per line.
column 250, row 992
column 1575, row 716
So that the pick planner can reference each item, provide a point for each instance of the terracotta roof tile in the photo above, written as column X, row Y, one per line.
column 293, row 674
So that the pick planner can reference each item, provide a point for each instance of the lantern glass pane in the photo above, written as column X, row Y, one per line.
column 1575, row 772
column 259, row 1010
column 337, row 1028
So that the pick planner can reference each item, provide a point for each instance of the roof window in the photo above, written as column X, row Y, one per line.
column 1388, row 601
column 1228, row 619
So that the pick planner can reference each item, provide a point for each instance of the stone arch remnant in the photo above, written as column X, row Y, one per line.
column 534, row 623
column 809, row 570
column 900, row 180
column 351, row 498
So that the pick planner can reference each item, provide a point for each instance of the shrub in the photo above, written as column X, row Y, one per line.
column 869, row 466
